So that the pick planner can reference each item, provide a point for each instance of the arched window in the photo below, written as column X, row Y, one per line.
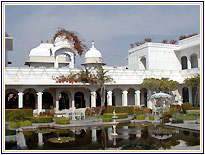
column 143, row 63
column 79, row 100
column 184, row 62
column 185, row 94
column 47, row 100
column 29, row 98
column 194, row 61
column 63, row 101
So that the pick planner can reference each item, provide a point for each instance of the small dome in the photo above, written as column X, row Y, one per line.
column 93, row 52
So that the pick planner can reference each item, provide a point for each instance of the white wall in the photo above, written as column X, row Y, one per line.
column 163, row 58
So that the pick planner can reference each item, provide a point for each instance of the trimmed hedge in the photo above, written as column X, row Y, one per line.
column 193, row 112
column 151, row 117
column 119, row 115
column 62, row 120
column 184, row 117
column 186, row 106
column 140, row 117
column 17, row 114
column 25, row 123
column 120, row 109
column 16, row 125
column 107, row 119
column 41, row 119
column 13, row 125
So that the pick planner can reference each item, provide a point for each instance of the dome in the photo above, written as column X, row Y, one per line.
column 42, row 50
column 93, row 52
column 93, row 57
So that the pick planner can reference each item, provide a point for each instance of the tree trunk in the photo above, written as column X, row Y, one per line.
column 102, row 95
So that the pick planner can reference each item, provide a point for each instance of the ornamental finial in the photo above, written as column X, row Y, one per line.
column 93, row 44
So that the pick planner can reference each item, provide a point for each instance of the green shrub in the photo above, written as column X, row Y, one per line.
column 178, row 117
column 119, row 115
column 186, row 106
column 193, row 112
column 138, row 110
column 25, row 123
column 62, row 120
column 190, row 117
column 13, row 125
column 151, row 117
column 17, row 114
column 177, row 107
column 41, row 119
column 120, row 109
column 107, row 119
column 140, row 117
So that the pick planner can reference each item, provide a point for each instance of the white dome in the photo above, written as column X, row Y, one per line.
column 93, row 52
column 42, row 50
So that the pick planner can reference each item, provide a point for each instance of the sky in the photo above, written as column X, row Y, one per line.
column 112, row 27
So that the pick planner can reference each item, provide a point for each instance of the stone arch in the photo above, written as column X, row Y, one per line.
column 131, row 96
column 64, row 51
column 143, row 63
column 11, row 99
column 117, row 92
column 184, row 62
column 79, row 100
column 98, row 98
column 143, row 97
column 30, row 98
column 64, row 100
column 185, row 94
column 194, row 61
column 194, row 95
column 47, row 100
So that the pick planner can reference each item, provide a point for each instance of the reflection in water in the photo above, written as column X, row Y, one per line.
column 102, row 138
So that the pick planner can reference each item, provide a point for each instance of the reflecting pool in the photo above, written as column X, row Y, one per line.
column 137, row 136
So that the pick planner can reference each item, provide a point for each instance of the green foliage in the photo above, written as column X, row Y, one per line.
column 193, row 112
column 107, row 119
column 44, row 130
column 119, row 115
column 13, row 125
column 163, row 84
column 193, row 82
column 151, row 84
column 62, row 120
column 63, row 131
column 151, row 117
column 140, row 117
column 121, row 109
column 17, row 114
column 41, row 119
column 186, row 106
column 190, row 117
column 176, row 107
column 138, row 110
column 25, row 123
column 184, row 117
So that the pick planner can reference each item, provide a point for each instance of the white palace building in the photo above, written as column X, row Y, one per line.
column 33, row 86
